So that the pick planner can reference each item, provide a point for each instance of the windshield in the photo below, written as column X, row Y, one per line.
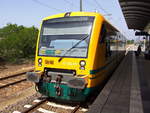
column 61, row 34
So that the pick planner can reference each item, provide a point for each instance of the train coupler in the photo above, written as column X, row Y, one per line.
column 57, row 87
column 58, row 90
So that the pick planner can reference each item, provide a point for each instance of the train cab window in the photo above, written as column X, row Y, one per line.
column 66, row 37
column 103, row 34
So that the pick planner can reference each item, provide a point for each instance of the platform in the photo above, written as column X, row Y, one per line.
column 128, row 90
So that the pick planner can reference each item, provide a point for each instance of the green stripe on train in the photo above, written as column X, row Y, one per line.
column 92, row 72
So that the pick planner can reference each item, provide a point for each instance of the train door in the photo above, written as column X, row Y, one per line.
column 111, row 48
column 107, row 42
column 107, row 49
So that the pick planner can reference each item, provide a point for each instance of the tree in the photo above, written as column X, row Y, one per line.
column 17, row 42
column 130, row 41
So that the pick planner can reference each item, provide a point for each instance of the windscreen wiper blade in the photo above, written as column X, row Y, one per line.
column 72, row 47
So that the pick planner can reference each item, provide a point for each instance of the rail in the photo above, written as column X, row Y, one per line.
column 12, row 76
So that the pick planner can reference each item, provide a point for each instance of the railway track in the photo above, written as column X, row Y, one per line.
column 45, row 106
column 38, row 106
column 12, row 79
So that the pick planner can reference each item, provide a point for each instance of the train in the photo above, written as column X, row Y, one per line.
column 75, row 53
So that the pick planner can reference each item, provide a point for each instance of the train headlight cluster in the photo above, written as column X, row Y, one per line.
column 40, row 62
column 82, row 64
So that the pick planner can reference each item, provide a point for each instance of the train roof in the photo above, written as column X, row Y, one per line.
column 74, row 14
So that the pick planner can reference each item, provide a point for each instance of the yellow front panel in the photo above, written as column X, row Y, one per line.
column 66, row 63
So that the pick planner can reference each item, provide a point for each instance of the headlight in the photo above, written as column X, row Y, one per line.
column 40, row 60
column 82, row 63
column 40, row 65
column 82, row 68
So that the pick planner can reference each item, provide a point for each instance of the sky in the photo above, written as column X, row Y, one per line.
column 30, row 12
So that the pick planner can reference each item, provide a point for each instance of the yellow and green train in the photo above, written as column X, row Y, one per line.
column 76, row 52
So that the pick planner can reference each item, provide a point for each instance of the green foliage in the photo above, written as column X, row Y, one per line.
column 130, row 41
column 17, row 42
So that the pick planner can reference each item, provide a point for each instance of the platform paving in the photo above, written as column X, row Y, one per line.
column 128, row 90
column 144, row 75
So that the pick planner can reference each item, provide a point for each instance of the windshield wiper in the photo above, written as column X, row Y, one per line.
column 82, row 39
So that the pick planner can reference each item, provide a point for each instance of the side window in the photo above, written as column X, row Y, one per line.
column 108, row 48
column 103, row 34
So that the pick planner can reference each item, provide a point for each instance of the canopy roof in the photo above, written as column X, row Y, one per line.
column 136, row 13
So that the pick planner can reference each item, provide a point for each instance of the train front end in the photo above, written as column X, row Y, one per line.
column 62, row 64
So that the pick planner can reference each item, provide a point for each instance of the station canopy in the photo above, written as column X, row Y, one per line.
column 137, row 14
